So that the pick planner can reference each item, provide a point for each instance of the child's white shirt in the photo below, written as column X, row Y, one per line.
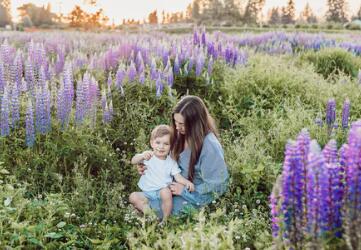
column 159, row 173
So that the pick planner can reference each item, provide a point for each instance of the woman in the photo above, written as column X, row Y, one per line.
column 199, row 154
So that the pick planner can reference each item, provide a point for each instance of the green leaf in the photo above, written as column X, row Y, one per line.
column 61, row 224
column 96, row 241
column 54, row 235
column 4, row 171
column 35, row 241
column 7, row 201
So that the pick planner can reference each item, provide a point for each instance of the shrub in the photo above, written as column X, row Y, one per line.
column 333, row 61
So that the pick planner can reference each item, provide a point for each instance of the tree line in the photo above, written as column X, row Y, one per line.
column 199, row 11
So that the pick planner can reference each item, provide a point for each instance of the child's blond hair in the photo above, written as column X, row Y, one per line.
column 159, row 131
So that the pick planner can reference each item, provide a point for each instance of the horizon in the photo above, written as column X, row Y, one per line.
column 116, row 12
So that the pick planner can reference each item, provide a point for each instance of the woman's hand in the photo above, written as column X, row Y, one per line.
column 141, row 168
column 176, row 188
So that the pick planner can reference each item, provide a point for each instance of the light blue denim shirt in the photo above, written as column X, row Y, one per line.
column 210, row 176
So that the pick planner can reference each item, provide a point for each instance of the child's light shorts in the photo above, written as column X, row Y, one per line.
column 152, row 195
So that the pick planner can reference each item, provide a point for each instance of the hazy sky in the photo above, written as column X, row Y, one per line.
column 139, row 9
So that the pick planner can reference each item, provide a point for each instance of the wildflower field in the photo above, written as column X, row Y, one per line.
column 75, row 107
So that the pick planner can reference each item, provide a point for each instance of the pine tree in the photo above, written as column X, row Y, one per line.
column 358, row 14
column 275, row 17
column 212, row 9
column 253, row 8
column 336, row 11
column 307, row 14
column 5, row 16
column 231, row 11
column 288, row 14
column 196, row 10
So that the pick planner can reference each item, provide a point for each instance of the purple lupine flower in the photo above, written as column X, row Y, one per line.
column 196, row 40
column 5, row 52
column 139, row 62
column 319, row 122
column 242, row 58
column 93, row 101
column 79, row 103
column 325, row 199
column 342, row 156
column 199, row 65
column 132, row 72
column 210, row 66
column 190, row 63
column 330, row 152
column 291, row 190
column 203, row 39
column 2, row 76
column 314, row 169
column 4, row 115
column 60, row 111
column 41, row 78
column 41, row 110
column 176, row 65
column 165, row 57
column 18, row 67
column 159, row 86
column 153, row 70
column 211, row 50
column 110, row 80
column 29, row 125
column 336, row 190
column 168, row 65
column 142, row 78
column 353, row 172
column 345, row 113
column 15, row 106
column 60, row 61
column 65, row 97
column 29, row 76
column 104, row 100
column 170, row 77
column 331, row 112
column 120, row 78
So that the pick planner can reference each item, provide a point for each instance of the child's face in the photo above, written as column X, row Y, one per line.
column 161, row 146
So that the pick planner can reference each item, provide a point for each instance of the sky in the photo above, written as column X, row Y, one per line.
column 139, row 9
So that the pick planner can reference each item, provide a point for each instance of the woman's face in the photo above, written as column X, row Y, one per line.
column 179, row 123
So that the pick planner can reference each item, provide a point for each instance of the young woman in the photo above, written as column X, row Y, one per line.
column 199, row 154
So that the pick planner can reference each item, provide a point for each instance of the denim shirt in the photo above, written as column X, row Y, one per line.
column 210, row 172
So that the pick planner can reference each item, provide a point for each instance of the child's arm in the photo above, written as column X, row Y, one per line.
column 180, row 179
column 138, row 158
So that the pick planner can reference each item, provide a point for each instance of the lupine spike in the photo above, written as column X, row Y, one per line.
column 15, row 106
column 29, row 125
column 331, row 112
column 4, row 116
column 345, row 113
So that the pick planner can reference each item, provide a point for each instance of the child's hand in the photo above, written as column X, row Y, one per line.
column 147, row 155
column 190, row 186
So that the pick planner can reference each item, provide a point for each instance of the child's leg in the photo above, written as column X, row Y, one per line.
column 139, row 201
column 167, row 202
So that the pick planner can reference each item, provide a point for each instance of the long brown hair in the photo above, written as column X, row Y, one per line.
column 197, row 123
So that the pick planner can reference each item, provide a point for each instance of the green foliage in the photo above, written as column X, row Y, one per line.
column 335, row 61
column 71, row 189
